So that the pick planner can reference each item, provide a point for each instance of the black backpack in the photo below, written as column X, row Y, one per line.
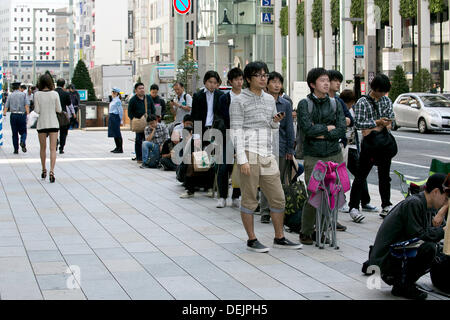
column 296, row 196
column 440, row 276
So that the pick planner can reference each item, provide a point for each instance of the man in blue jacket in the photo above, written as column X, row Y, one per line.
column 286, row 133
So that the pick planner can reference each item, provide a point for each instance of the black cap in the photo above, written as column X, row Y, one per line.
column 436, row 181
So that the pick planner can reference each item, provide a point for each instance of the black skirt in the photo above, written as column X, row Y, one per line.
column 51, row 130
column 114, row 126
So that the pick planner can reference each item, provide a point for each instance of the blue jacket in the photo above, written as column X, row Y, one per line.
column 287, row 134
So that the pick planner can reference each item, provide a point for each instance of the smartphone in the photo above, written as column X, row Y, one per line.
column 281, row 114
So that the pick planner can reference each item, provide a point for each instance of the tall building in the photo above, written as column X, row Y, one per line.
column 100, row 29
column 16, row 34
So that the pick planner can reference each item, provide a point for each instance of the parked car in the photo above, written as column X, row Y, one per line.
column 425, row 111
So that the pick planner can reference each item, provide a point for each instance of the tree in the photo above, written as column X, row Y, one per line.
column 284, row 21
column 408, row 10
column 316, row 20
column 422, row 82
column 399, row 83
column 139, row 80
column 438, row 7
column 385, row 7
column 82, row 80
column 357, row 11
column 187, row 68
column 301, row 18
column 335, row 24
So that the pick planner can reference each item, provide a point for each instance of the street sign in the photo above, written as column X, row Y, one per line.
column 388, row 37
column 166, row 70
column 266, row 3
column 182, row 6
column 359, row 51
column 266, row 17
column 363, row 88
column 83, row 95
column 202, row 43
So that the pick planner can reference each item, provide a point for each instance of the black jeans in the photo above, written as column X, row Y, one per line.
column 119, row 143
column 415, row 267
column 223, row 178
column 63, row 132
column 138, row 145
column 366, row 163
column 168, row 164
column 352, row 166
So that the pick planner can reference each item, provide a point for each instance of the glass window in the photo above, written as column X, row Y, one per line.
column 436, row 102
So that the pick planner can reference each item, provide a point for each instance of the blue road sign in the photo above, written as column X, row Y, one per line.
column 83, row 95
column 266, row 3
column 266, row 17
column 359, row 51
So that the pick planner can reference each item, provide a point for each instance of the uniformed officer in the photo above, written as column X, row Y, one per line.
column 19, row 106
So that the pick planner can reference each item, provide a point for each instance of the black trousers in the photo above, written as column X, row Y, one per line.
column 63, row 132
column 138, row 145
column 119, row 143
column 416, row 267
column 223, row 178
column 352, row 166
column 366, row 163
column 168, row 164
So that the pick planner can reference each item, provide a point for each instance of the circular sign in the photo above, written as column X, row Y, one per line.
column 182, row 6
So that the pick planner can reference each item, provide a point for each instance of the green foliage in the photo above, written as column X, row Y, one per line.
column 139, row 80
column 408, row 9
column 385, row 7
column 316, row 16
column 284, row 65
column 437, row 6
column 284, row 21
column 422, row 81
column 186, row 70
column 335, row 14
column 399, row 83
column 82, row 80
column 357, row 11
column 301, row 18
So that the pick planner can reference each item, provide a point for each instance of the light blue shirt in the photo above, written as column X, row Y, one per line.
column 210, row 104
column 17, row 101
column 115, row 107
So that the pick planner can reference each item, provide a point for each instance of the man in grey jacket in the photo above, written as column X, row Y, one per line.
column 253, row 117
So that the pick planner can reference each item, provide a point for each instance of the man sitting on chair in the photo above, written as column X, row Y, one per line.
column 411, row 218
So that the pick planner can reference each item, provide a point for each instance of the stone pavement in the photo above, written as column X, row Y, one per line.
column 110, row 230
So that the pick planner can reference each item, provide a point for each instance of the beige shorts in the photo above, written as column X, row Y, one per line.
column 267, row 177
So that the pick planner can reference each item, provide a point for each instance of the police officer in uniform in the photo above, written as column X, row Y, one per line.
column 19, row 106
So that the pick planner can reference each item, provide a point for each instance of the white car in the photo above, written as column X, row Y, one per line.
column 425, row 111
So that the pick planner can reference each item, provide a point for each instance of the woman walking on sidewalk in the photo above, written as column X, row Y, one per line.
column 115, row 120
column 47, row 104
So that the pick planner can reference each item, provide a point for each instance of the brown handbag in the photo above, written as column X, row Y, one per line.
column 138, row 125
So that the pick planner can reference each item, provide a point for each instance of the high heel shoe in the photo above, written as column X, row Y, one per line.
column 44, row 174
column 52, row 177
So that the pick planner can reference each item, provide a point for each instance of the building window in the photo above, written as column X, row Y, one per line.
column 194, row 36
column 15, row 57
column 41, row 18
column 192, row 6
column 15, row 19
column 41, row 29
column 187, row 31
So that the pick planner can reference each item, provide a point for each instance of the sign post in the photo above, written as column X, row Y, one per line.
column 1, row 106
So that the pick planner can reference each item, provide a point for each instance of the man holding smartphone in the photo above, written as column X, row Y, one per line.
column 286, row 133
column 373, row 114
column 181, row 104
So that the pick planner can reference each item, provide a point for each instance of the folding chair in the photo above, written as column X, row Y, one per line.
column 409, row 187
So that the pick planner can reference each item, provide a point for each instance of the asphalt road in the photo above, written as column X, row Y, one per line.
column 415, row 154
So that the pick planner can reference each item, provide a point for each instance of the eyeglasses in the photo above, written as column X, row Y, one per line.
column 261, row 76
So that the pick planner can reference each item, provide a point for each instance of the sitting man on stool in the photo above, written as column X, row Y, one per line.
column 412, row 218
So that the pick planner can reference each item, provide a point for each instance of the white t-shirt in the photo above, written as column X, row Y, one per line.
column 184, row 102
column 210, row 105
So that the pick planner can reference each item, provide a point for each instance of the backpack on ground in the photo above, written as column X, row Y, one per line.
column 296, row 196
column 440, row 275
column 300, row 140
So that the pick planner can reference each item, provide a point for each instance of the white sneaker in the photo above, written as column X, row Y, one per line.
column 345, row 208
column 356, row 215
column 210, row 193
column 385, row 211
column 186, row 195
column 221, row 203
column 236, row 203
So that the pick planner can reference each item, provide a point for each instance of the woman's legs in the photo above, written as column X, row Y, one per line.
column 53, row 139
column 43, row 145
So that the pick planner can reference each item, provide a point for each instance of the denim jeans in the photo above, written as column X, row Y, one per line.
column 150, row 153
column 18, row 127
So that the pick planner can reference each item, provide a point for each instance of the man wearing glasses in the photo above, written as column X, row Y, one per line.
column 412, row 218
column 253, row 116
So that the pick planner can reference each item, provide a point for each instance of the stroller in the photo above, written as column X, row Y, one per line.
column 327, row 186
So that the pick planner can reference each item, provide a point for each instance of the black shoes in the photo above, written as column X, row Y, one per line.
column 16, row 151
column 286, row 244
column 265, row 219
column 340, row 227
column 23, row 146
column 408, row 291
column 52, row 177
column 306, row 240
column 256, row 246
column 61, row 151
column 117, row 151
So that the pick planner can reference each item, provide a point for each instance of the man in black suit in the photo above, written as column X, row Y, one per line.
column 66, row 105
column 205, row 102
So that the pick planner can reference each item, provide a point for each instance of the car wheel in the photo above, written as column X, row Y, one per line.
column 394, row 126
column 422, row 126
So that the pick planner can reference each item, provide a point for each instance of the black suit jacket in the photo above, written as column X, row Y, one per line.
column 200, row 106
column 64, row 98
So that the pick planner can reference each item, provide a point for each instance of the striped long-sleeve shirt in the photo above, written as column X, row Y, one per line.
column 367, row 111
column 251, row 118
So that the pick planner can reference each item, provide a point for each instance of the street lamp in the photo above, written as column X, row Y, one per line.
column 120, row 49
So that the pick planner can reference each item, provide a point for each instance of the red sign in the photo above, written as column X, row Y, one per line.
column 182, row 6
column 363, row 88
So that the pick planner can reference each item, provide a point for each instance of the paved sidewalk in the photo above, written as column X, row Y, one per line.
column 127, row 235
